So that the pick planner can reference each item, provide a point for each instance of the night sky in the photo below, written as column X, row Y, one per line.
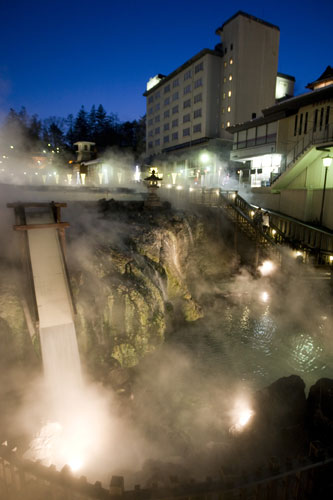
column 57, row 56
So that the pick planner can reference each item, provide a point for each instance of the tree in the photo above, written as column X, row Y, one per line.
column 81, row 130
column 70, row 130
column 92, row 122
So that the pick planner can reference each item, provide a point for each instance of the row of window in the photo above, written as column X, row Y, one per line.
column 197, row 113
column 175, row 97
column 175, row 83
column 174, row 136
column 229, row 94
column 186, row 104
column 320, row 120
column 231, row 61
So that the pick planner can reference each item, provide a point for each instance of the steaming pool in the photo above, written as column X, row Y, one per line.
column 257, row 345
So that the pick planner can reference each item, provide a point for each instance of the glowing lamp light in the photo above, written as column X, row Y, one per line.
column 204, row 157
column 331, row 258
column 273, row 232
column 233, row 196
column 264, row 297
column 267, row 267
column 11, row 147
column 252, row 213
column 75, row 464
column 327, row 161
column 190, row 189
column 168, row 186
column 241, row 416
column 179, row 188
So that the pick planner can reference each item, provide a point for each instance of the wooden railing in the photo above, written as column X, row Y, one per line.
column 298, row 479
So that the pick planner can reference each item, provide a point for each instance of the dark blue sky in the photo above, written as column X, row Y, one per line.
column 56, row 56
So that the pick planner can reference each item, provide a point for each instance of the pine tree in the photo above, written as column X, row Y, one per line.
column 81, row 130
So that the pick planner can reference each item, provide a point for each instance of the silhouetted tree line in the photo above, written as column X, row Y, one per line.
column 31, row 134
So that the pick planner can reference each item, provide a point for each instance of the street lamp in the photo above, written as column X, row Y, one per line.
column 327, row 160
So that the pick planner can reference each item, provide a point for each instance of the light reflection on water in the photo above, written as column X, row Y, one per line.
column 255, row 345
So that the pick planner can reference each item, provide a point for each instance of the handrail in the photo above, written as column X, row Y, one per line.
column 308, row 139
column 283, row 229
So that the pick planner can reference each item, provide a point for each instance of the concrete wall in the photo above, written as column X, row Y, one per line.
column 301, row 204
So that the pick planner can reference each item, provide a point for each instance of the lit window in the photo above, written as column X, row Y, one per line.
column 228, row 124
column 229, row 109
column 230, row 77
column 231, row 61
column 229, row 93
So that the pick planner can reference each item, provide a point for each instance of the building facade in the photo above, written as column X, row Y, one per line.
column 190, row 110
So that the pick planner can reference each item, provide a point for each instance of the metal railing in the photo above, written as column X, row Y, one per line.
column 311, row 138
column 310, row 240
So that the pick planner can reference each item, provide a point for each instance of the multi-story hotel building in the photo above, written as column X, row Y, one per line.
column 191, row 109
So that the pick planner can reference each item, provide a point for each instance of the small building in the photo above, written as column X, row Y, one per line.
column 85, row 150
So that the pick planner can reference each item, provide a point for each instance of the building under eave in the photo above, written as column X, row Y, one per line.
column 283, row 151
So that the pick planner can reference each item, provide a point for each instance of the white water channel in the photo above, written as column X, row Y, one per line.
column 56, row 326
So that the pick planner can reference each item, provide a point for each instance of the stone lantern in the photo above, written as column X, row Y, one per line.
column 152, row 200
